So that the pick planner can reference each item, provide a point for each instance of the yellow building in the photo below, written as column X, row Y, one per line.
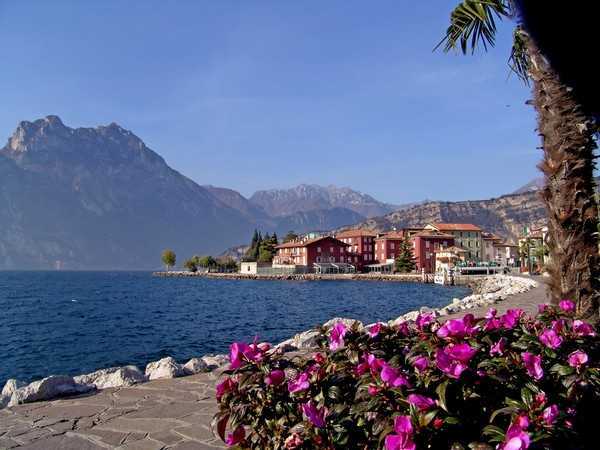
column 466, row 236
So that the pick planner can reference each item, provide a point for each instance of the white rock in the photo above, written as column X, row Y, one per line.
column 47, row 388
column 215, row 361
column 11, row 386
column 348, row 322
column 112, row 377
column 163, row 368
column 194, row 366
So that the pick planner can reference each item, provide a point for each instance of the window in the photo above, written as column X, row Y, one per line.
column 318, row 259
column 392, row 256
column 318, row 249
column 427, row 255
column 248, row 268
column 427, row 244
column 356, row 259
column 365, row 257
column 330, row 249
column 445, row 243
column 392, row 245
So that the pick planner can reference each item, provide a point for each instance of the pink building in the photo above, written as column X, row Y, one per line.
column 425, row 245
column 307, row 252
column 361, row 246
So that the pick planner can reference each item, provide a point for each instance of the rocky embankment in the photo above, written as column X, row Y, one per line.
column 486, row 291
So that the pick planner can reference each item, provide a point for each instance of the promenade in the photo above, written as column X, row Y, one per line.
column 162, row 414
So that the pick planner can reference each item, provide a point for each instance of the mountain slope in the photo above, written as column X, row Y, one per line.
column 538, row 183
column 96, row 198
column 309, row 197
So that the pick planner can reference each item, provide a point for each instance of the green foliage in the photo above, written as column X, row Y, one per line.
column 191, row 264
column 262, row 248
column 405, row 261
column 168, row 258
column 352, row 385
column 290, row 236
column 207, row 262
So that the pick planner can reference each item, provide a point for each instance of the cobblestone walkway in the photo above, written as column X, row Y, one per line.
column 162, row 414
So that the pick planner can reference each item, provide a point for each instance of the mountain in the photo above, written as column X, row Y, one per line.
column 310, row 197
column 505, row 216
column 97, row 198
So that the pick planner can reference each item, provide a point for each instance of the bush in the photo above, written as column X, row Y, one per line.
column 507, row 382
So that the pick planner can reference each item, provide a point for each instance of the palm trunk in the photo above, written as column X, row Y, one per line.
column 569, row 193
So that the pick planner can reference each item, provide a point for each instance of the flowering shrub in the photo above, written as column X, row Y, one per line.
column 505, row 382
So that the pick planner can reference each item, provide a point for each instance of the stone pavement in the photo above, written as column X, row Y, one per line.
column 162, row 414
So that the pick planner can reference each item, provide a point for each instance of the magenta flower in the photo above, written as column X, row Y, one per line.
column 578, row 359
column 336, row 336
column 370, row 362
column 238, row 435
column 314, row 414
column 533, row 364
column 461, row 352
column 516, row 438
column 543, row 307
column 492, row 322
column 498, row 348
column 581, row 328
column 275, row 378
column 421, row 402
column 510, row 319
column 392, row 376
column 457, row 328
column 550, row 414
column 550, row 338
column 301, row 383
column 240, row 352
column 374, row 329
column 403, row 329
column 373, row 390
column 402, row 439
column 567, row 306
column 225, row 386
column 451, row 367
column 421, row 363
column 423, row 320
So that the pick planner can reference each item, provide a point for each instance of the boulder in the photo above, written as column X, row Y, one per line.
column 11, row 386
column 215, row 361
column 112, row 377
column 48, row 388
column 164, row 368
column 194, row 366
column 348, row 322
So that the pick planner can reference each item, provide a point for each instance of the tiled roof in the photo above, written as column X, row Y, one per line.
column 433, row 233
column 355, row 233
column 392, row 235
column 296, row 244
column 456, row 227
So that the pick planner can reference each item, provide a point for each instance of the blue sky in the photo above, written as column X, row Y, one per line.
column 269, row 94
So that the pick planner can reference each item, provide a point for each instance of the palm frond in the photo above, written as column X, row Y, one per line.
column 473, row 22
column 519, row 57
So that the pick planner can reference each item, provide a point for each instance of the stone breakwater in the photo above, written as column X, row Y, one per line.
column 486, row 291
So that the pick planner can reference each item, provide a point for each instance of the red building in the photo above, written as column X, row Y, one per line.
column 425, row 244
column 362, row 246
column 387, row 246
column 307, row 252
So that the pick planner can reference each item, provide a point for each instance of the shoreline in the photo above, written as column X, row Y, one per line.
column 486, row 290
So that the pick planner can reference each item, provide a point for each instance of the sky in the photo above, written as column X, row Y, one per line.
column 262, row 94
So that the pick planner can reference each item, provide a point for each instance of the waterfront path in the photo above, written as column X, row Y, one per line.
column 162, row 414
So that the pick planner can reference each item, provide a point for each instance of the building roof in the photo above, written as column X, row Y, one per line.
column 392, row 235
column 307, row 242
column 433, row 234
column 359, row 232
column 455, row 227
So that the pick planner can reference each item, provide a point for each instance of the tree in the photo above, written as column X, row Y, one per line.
column 169, row 258
column 405, row 261
column 290, row 236
column 207, row 262
column 567, row 134
column 191, row 264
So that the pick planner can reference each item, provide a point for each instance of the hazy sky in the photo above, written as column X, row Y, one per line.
column 268, row 94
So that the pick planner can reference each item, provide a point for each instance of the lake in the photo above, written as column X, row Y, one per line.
column 76, row 322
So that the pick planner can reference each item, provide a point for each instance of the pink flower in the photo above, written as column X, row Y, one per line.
column 543, row 307
column 369, row 363
column 421, row 363
column 461, row 352
column 457, row 328
column 238, row 435
column 421, row 402
column 225, row 386
column 314, row 414
column 451, row 367
column 516, row 438
column 392, row 376
column 533, row 364
column 498, row 348
column 402, row 439
column 492, row 322
column 374, row 329
column 293, row 441
column 240, row 352
column 510, row 319
column 550, row 414
column 276, row 377
column 581, row 328
column 403, row 329
column 336, row 336
column 301, row 383
column 550, row 338
column 567, row 306
column 578, row 359
column 373, row 390
column 423, row 320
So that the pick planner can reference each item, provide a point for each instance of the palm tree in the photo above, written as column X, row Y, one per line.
column 567, row 134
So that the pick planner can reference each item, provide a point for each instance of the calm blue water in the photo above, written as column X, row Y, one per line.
column 77, row 322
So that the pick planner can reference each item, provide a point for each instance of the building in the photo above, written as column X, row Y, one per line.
column 506, row 254
column 426, row 244
column 387, row 246
column 361, row 246
column 489, row 241
column 533, row 248
column 447, row 258
column 466, row 236
column 314, row 254
column 254, row 268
